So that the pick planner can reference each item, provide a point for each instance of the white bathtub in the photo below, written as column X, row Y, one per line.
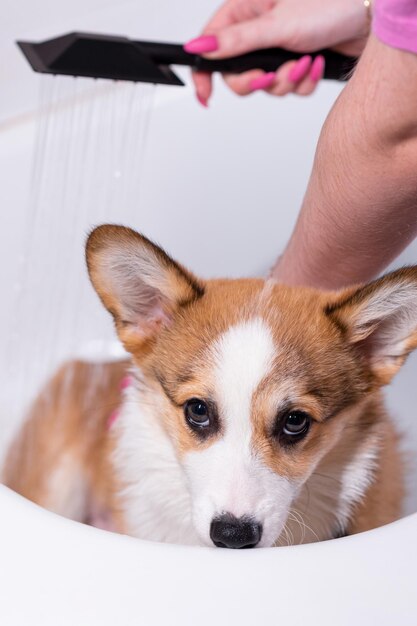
column 59, row 573
column 221, row 189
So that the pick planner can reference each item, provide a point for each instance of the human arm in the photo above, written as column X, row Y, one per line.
column 360, row 208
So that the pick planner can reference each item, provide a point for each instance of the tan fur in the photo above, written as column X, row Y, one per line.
column 68, row 423
column 317, row 368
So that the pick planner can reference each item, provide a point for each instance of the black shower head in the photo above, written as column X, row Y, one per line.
column 120, row 58
column 96, row 56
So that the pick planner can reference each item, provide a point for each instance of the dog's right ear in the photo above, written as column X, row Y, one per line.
column 137, row 282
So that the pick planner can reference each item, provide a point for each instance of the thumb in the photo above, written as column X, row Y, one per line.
column 244, row 37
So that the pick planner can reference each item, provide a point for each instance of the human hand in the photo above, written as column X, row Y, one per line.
column 240, row 26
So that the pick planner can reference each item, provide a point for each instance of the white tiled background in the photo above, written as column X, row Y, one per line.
column 221, row 187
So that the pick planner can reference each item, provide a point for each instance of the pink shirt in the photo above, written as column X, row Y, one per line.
column 395, row 23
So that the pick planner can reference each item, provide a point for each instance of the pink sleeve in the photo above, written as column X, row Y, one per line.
column 395, row 23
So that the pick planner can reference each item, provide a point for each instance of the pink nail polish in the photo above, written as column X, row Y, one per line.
column 300, row 69
column 317, row 68
column 262, row 81
column 201, row 45
column 202, row 101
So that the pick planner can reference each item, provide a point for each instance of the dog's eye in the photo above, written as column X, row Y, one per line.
column 295, row 426
column 197, row 413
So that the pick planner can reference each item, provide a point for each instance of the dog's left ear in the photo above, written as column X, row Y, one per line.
column 381, row 320
column 141, row 286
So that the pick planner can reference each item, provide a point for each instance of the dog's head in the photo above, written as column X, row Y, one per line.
column 256, row 380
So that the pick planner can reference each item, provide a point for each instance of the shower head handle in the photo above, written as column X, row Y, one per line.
column 120, row 58
column 337, row 66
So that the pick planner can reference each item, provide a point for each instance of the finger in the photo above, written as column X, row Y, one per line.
column 233, row 12
column 225, row 16
column 282, row 85
column 308, row 84
column 300, row 69
column 307, row 78
column 248, row 82
column 203, row 84
column 317, row 68
column 203, row 81
column 305, row 87
column 290, row 75
column 241, row 38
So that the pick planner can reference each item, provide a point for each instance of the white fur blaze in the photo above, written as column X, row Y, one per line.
column 228, row 477
column 356, row 479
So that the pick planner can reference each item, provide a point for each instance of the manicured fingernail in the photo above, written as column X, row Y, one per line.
column 201, row 45
column 125, row 382
column 317, row 68
column 262, row 81
column 300, row 69
column 112, row 418
column 202, row 101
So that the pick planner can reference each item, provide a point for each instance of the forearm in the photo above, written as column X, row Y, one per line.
column 360, row 209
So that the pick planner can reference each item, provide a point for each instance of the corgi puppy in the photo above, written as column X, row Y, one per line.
column 252, row 415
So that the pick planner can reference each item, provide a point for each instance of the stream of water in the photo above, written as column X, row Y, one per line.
column 88, row 158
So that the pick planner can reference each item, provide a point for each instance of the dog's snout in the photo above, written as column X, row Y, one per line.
column 228, row 531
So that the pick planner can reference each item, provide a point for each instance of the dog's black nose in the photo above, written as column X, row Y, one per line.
column 228, row 531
